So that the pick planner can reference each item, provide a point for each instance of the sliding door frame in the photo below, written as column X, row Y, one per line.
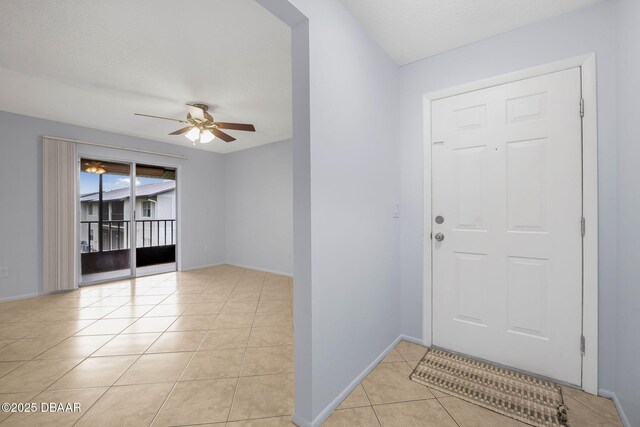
column 177, row 209
column 79, row 216
column 132, row 212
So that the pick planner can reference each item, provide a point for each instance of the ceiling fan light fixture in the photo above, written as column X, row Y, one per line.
column 201, row 126
column 94, row 167
column 207, row 136
column 193, row 134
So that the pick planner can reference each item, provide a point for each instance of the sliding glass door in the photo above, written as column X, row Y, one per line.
column 105, row 220
column 111, row 224
column 155, row 219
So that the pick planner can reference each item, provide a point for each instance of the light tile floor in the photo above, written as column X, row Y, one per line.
column 193, row 348
column 212, row 347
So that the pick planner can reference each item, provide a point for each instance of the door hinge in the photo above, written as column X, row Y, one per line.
column 582, row 344
column 583, row 226
column 581, row 107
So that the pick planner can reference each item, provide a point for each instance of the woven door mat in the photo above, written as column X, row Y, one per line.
column 522, row 397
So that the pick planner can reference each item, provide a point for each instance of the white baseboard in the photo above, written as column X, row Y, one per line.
column 300, row 422
column 281, row 273
column 19, row 297
column 414, row 340
column 36, row 294
column 191, row 268
column 611, row 395
column 303, row 422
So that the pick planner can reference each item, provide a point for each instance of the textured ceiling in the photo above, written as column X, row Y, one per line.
column 409, row 30
column 95, row 62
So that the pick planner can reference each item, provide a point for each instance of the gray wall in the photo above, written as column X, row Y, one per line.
column 200, row 184
column 259, row 207
column 628, row 250
column 348, row 311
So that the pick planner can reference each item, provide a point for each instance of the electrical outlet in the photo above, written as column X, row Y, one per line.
column 4, row 272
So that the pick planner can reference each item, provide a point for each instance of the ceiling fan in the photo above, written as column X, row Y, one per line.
column 202, row 127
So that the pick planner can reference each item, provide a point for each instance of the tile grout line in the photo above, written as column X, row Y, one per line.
column 125, row 371
column 106, row 388
column 373, row 406
column 47, row 389
column 394, row 403
column 368, row 399
column 166, row 399
column 447, row 411
column 138, row 358
column 582, row 405
column 244, row 357
column 435, row 397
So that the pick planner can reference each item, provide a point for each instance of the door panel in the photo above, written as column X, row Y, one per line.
column 155, row 219
column 470, row 284
column 527, row 185
column 507, row 178
column 104, row 222
column 470, row 170
column 527, row 284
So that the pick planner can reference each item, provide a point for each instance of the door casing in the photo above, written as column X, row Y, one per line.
column 587, row 63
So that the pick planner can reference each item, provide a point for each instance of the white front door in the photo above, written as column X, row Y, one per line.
column 507, row 184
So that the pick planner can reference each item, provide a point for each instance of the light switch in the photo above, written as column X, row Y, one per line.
column 396, row 210
column 4, row 272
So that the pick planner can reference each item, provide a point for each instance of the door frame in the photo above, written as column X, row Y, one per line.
column 132, row 236
column 587, row 63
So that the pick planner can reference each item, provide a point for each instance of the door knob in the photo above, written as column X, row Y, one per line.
column 439, row 237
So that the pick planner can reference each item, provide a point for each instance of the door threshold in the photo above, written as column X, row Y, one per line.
column 109, row 276
column 156, row 269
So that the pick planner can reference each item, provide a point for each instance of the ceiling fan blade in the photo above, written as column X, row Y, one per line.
column 181, row 131
column 159, row 117
column 196, row 112
column 223, row 136
column 236, row 126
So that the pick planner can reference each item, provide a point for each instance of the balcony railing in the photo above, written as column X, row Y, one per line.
column 116, row 234
column 155, row 232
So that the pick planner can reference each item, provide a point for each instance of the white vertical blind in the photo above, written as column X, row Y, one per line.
column 60, row 173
